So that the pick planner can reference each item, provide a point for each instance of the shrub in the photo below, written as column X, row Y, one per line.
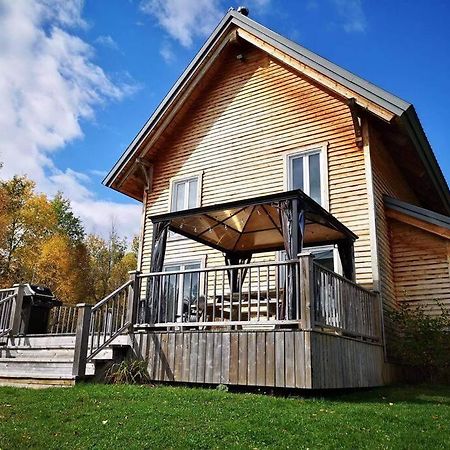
column 422, row 342
column 129, row 371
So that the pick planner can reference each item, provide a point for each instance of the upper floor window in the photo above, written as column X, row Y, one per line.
column 185, row 194
column 306, row 169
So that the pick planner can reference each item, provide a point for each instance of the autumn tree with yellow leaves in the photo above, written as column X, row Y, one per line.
column 43, row 242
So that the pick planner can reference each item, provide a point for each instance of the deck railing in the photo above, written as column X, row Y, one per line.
column 62, row 320
column 344, row 306
column 98, row 325
column 108, row 319
column 246, row 294
column 7, row 302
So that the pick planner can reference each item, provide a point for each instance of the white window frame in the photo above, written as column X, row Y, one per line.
column 322, row 150
column 173, row 182
column 183, row 262
column 336, row 258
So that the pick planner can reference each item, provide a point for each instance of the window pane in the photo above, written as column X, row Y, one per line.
column 297, row 173
column 193, row 193
column 314, row 178
column 178, row 203
column 324, row 258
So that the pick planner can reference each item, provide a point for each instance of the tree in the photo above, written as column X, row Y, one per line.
column 109, row 263
column 67, row 223
column 28, row 220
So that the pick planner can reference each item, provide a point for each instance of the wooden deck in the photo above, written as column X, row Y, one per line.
column 278, row 358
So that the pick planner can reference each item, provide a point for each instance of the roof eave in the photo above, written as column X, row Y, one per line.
column 414, row 128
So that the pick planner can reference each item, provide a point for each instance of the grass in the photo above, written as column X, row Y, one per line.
column 107, row 417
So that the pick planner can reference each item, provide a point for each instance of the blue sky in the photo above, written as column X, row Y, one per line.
column 92, row 72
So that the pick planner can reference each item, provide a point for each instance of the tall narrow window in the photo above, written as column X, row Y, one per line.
column 306, row 170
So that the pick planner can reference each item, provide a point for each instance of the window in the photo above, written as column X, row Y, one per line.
column 185, row 194
column 326, row 255
column 181, row 291
column 306, row 170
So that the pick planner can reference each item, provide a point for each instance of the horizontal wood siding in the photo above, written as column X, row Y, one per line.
column 340, row 362
column 236, row 132
column 421, row 265
column 259, row 358
column 387, row 180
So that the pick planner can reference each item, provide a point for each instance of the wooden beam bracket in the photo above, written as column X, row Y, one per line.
column 356, row 122
column 147, row 170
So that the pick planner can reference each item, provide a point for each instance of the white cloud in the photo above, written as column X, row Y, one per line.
column 352, row 14
column 107, row 41
column 167, row 53
column 48, row 83
column 185, row 20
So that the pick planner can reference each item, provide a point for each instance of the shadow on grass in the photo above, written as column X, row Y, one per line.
column 420, row 394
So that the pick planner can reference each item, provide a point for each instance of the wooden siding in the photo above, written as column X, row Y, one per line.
column 340, row 362
column 421, row 266
column 250, row 358
column 261, row 358
column 387, row 180
column 236, row 133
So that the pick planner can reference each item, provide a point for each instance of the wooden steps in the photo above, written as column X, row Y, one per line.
column 45, row 361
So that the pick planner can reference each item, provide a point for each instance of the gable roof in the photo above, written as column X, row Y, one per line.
column 378, row 101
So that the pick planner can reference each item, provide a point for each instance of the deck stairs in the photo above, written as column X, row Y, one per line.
column 47, row 360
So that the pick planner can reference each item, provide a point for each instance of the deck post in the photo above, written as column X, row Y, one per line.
column 81, row 340
column 305, row 260
column 16, row 313
column 306, row 290
column 133, row 296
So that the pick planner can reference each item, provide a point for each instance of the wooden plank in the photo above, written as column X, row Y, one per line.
column 261, row 358
column 270, row 358
column 299, row 367
column 234, row 358
column 251, row 358
column 178, row 370
column 280, row 369
column 186, row 356
column 217, row 364
column 289, row 356
column 225, row 366
column 193, row 360
column 171, row 353
column 201, row 362
column 209, row 358
column 243, row 355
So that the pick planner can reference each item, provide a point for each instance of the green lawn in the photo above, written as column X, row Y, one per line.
column 113, row 417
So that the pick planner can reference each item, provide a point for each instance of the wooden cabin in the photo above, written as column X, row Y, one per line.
column 257, row 115
column 287, row 205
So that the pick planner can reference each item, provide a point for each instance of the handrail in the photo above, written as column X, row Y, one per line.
column 109, row 318
column 109, row 296
column 7, row 312
column 216, row 268
column 4, row 300
column 346, row 280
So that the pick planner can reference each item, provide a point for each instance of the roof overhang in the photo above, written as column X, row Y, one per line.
column 418, row 217
column 254, row 225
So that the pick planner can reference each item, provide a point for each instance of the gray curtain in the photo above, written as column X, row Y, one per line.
column 236, row 277
column 293, row 228
column 150, row 310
